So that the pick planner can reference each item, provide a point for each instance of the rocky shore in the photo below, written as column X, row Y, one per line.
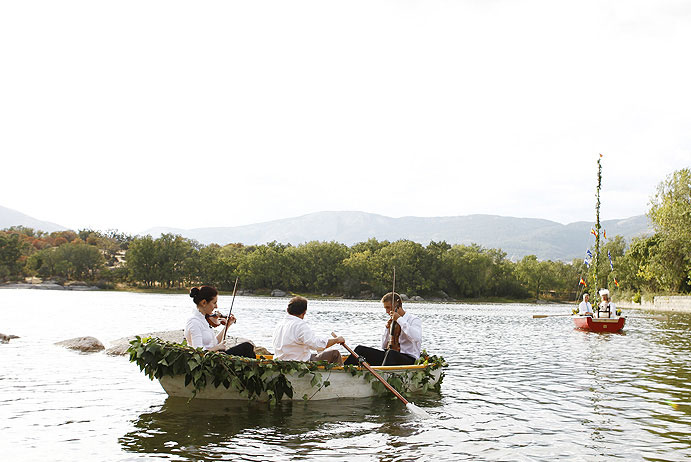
column 49, row 285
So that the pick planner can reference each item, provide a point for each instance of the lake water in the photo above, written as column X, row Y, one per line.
column 516, row 388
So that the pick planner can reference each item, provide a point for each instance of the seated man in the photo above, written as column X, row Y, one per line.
column 409, row 337
column 585, row 308
column 606, row 306
column 294, row 340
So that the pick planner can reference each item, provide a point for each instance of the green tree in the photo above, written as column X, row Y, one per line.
column 11, row 250
column 639, row 269
column 469, row 270
column 413, row 264
column 80, row 261
column 670, row 211
column 316, row 265
column 357, row 273
column 142, row 260
column 266, row 268
column 534, row 275
column 372, row 244
column 176, row 259
column 68, row 261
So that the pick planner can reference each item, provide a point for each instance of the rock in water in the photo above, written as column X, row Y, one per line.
column 119, row 347
column 6, row 338
column 83, row 344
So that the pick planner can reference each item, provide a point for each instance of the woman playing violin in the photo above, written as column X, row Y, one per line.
column 199, row 330
column 402, row 343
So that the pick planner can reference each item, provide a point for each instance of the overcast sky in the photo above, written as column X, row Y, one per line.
column 134, row 114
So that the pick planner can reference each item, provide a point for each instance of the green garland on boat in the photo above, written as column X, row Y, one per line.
column 251, row 377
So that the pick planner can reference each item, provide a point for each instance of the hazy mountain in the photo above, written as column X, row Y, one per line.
column 9, row 217
column 516, row 236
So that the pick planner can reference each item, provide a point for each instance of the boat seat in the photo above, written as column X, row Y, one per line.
column 607, row 312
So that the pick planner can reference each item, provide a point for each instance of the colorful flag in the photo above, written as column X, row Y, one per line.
column 610, row 261
column 600, row 155
column 592, row 231
column 605, row 233
column 616, row 283
column 583, row 283
column 588, row 258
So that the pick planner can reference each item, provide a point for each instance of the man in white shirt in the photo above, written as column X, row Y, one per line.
column 409, row 340
column 606, row 306
column 585, row 308
column 294, row 340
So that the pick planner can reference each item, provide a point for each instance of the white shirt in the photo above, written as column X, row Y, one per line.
column 198, row 333
column 585, row 307
column 294, row 340
column 612, row 308
column 411, row 335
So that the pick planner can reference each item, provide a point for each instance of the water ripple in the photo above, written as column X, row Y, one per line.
column 517, row 388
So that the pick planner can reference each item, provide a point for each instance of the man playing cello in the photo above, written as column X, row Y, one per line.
column 402, row 339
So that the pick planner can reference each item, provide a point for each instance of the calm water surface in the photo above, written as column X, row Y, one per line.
column 517, row 388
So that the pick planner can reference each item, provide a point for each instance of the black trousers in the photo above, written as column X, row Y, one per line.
column 375, row 357
column 244, row 349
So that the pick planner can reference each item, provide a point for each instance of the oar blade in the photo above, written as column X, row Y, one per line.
column 535, row 316
column 418, row 411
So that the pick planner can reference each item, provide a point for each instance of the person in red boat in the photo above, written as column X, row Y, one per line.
column 585, row 308
column 606, row 308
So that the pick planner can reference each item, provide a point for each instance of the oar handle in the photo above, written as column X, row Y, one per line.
column 373, row 372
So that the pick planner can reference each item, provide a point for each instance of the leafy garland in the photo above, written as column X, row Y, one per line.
column 597, row 227
column 251, row 377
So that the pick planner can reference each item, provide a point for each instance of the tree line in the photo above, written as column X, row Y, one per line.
column 660, row 263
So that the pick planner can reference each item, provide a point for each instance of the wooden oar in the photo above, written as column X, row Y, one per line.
column 535, row 316
column 411, row 407
column 225, row 330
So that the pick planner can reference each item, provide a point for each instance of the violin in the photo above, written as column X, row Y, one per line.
column 394, row 334
column 216, row 319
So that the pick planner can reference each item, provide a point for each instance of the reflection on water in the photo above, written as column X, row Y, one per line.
column 517, row 388
column 205, row 429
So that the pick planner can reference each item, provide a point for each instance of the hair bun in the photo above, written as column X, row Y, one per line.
column 194, row 292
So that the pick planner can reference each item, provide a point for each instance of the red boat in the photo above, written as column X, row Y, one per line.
column 599, row 324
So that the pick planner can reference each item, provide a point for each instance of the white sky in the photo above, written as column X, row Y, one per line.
column 133, row 114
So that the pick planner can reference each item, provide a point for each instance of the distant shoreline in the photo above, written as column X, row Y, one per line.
column 679, row 304
column 158, row 290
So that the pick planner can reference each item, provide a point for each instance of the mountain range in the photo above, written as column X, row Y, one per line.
column 9, row 218
column 515, row 236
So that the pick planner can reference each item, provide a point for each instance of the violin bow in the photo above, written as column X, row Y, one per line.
column 235, row 288
column 393, row 310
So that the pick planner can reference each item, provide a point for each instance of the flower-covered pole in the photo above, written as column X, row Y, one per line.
column 597, row 222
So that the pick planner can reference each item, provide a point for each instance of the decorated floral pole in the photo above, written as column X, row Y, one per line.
column 597, row 225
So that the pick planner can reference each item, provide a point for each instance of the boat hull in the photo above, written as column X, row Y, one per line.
column 342, row 385
column 599, row 324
